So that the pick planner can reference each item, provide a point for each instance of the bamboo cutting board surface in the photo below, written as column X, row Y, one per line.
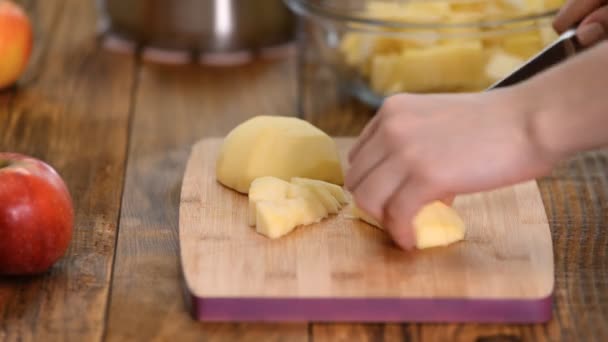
column 346, row 270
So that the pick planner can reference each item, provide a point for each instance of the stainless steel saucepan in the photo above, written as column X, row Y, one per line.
column 200, row 25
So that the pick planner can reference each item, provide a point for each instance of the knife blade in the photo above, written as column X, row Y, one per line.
column 563, row 48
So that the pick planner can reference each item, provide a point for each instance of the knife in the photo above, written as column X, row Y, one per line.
column 563, row 48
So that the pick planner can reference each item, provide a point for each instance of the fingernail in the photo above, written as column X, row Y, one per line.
column 590, row 33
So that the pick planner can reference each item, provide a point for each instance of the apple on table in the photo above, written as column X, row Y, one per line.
column 36, row 215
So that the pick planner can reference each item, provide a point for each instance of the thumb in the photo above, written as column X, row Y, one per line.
column 594, row 28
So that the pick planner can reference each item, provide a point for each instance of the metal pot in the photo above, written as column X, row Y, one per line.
column 200, row 25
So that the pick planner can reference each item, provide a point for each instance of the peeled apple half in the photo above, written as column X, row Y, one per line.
column 436, row 224
column 282, row 147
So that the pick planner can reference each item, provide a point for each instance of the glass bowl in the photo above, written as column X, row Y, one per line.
column 380, row 47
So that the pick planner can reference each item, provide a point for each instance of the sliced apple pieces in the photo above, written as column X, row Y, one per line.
column 336, row 191
column 277, row 207
column 268, row 189
column 311, row 209
column 320, row 194
column 277, row 218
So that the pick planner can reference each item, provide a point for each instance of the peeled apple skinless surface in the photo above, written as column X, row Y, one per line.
column 333, row 189
column 265, row 188
column 446, row 59
column 330, row 195
column 304, row 204
column 315, row 210
column 330, row 203
column 282, row 147
column 277, row 218
column 277, row 207
column 436, row 224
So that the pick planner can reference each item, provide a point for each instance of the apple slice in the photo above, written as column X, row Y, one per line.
column 276, row 207
column 315, row 206
column 436, row 224
column 309, row 210
column 336, row 191
column 323, row 195
column 276, row 218
column 330, row 202
column 265, row 188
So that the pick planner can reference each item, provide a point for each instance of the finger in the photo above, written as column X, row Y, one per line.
column 573, row 12
column 403, row 206
column 378, row 186
column 448, row 199
column 594, row 28
column 600, row 16
column 370, row 155
column 368, row 131
column 590, row 34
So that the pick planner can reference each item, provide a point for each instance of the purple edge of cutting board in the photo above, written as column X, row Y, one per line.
column 373, row 310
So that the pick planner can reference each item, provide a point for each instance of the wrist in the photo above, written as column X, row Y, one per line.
column 538, row 125
column 566, row 105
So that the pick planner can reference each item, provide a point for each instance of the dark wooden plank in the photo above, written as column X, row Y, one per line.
column 175, row 107
column 71, row 109
column 361, row 332
column 576, row 198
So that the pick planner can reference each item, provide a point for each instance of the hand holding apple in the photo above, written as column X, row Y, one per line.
column 15, row 42
column 36, row 215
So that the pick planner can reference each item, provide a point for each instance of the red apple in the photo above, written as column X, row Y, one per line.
column 36, row 215
column 15, row 42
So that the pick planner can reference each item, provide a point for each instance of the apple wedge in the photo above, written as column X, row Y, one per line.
column 336, row 191
column 315, row 207
column 436, row 224
column 265, row 188
column 322, row 195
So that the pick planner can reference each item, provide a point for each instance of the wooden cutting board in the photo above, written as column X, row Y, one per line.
column 346, row 270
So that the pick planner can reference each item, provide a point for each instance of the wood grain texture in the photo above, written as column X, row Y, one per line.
column 174, row 107
column 507, row 252
column 46, row 117
column 70, row 109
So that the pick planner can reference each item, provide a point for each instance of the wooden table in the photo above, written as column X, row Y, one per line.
column 119, row 131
